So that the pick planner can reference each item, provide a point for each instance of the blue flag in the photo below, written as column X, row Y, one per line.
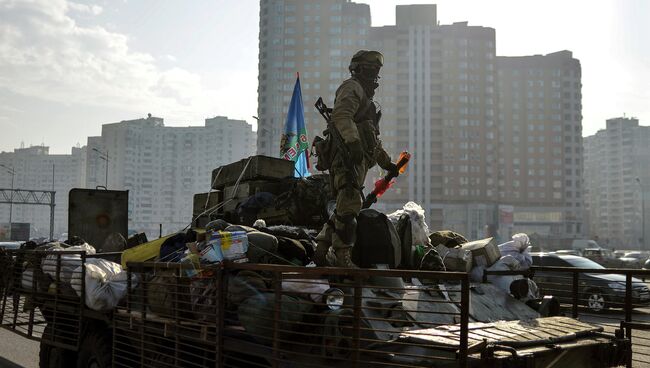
column 294, row 144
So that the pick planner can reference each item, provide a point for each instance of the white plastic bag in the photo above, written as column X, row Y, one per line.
column 419, row 228
column 518, row 248
column 69, row 262
column 106, row 283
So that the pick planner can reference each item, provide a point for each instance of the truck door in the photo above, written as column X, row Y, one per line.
column 100, row 217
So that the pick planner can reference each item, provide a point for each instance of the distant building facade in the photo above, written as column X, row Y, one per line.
column 163, row 167
column 36, row 169
column 540, row 145
column 439, row 98
column 617, row 179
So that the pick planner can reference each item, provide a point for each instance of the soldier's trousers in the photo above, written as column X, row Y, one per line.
column 348, row 202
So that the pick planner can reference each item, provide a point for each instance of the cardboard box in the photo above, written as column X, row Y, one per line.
column 455, row 259
column 252, row 168
column 484, row 252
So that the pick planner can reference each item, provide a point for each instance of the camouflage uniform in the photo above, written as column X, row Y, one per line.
column 355, row 117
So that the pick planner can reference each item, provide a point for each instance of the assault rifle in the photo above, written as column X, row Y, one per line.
column 339, row 143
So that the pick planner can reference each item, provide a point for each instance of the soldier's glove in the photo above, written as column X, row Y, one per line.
column 356, row 151
column 392, row 170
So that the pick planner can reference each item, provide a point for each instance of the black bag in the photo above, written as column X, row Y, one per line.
column 405, row 232
column 323, row 150
column 377, row 241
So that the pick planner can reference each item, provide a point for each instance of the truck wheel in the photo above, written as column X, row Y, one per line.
column 53, row 357
column 96, row 350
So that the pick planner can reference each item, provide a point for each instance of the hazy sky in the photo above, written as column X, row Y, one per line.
column 67, row 67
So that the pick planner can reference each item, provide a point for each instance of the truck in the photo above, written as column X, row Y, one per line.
column 281, row 313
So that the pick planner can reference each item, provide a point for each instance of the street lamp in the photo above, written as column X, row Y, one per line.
column 11, row 171
column 642, row 212
column 104, row 156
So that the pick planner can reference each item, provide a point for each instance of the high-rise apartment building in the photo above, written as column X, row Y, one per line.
column 36, row 169
column 315, row 38
column 617, row 181
column 540, row 144
column 438, row 94
column 495, row 141
column 163, row 167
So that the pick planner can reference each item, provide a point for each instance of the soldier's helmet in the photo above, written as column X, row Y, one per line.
column 366, row 57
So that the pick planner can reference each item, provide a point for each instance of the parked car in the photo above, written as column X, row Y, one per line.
column 634, row 259
column 10, row 244
column 596, row 291
column 604, row 257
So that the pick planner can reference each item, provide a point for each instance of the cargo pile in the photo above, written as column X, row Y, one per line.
column 261, row 187
column 70, row 268
column 258, row 213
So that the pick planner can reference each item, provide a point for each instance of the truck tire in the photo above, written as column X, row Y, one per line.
column 96, row 350
column 53, row 357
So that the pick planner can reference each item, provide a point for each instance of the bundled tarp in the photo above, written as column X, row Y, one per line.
column 517, row 285
column 447, row 238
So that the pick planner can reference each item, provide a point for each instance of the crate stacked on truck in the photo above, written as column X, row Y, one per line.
column 233, row 291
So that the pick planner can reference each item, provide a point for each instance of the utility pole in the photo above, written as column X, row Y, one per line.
column 104, row 156
column 11, row 171
column 642, row 213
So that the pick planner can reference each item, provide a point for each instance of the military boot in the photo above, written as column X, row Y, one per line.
column 323, row 244
column 344, row 258
column 320, row 255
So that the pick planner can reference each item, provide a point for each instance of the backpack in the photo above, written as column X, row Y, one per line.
column 405, row 232
column 377, row 241
column 324, row 149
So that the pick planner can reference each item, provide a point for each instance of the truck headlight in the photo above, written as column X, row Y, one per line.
column 334, row 298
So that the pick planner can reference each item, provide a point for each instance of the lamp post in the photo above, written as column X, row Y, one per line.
column 642, row 212
column 104, row 156
column 11, row 171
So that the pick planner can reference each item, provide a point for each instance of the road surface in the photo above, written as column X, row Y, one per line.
column 17, row 351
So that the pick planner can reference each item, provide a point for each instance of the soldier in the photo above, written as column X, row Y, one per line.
column 356, row 117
